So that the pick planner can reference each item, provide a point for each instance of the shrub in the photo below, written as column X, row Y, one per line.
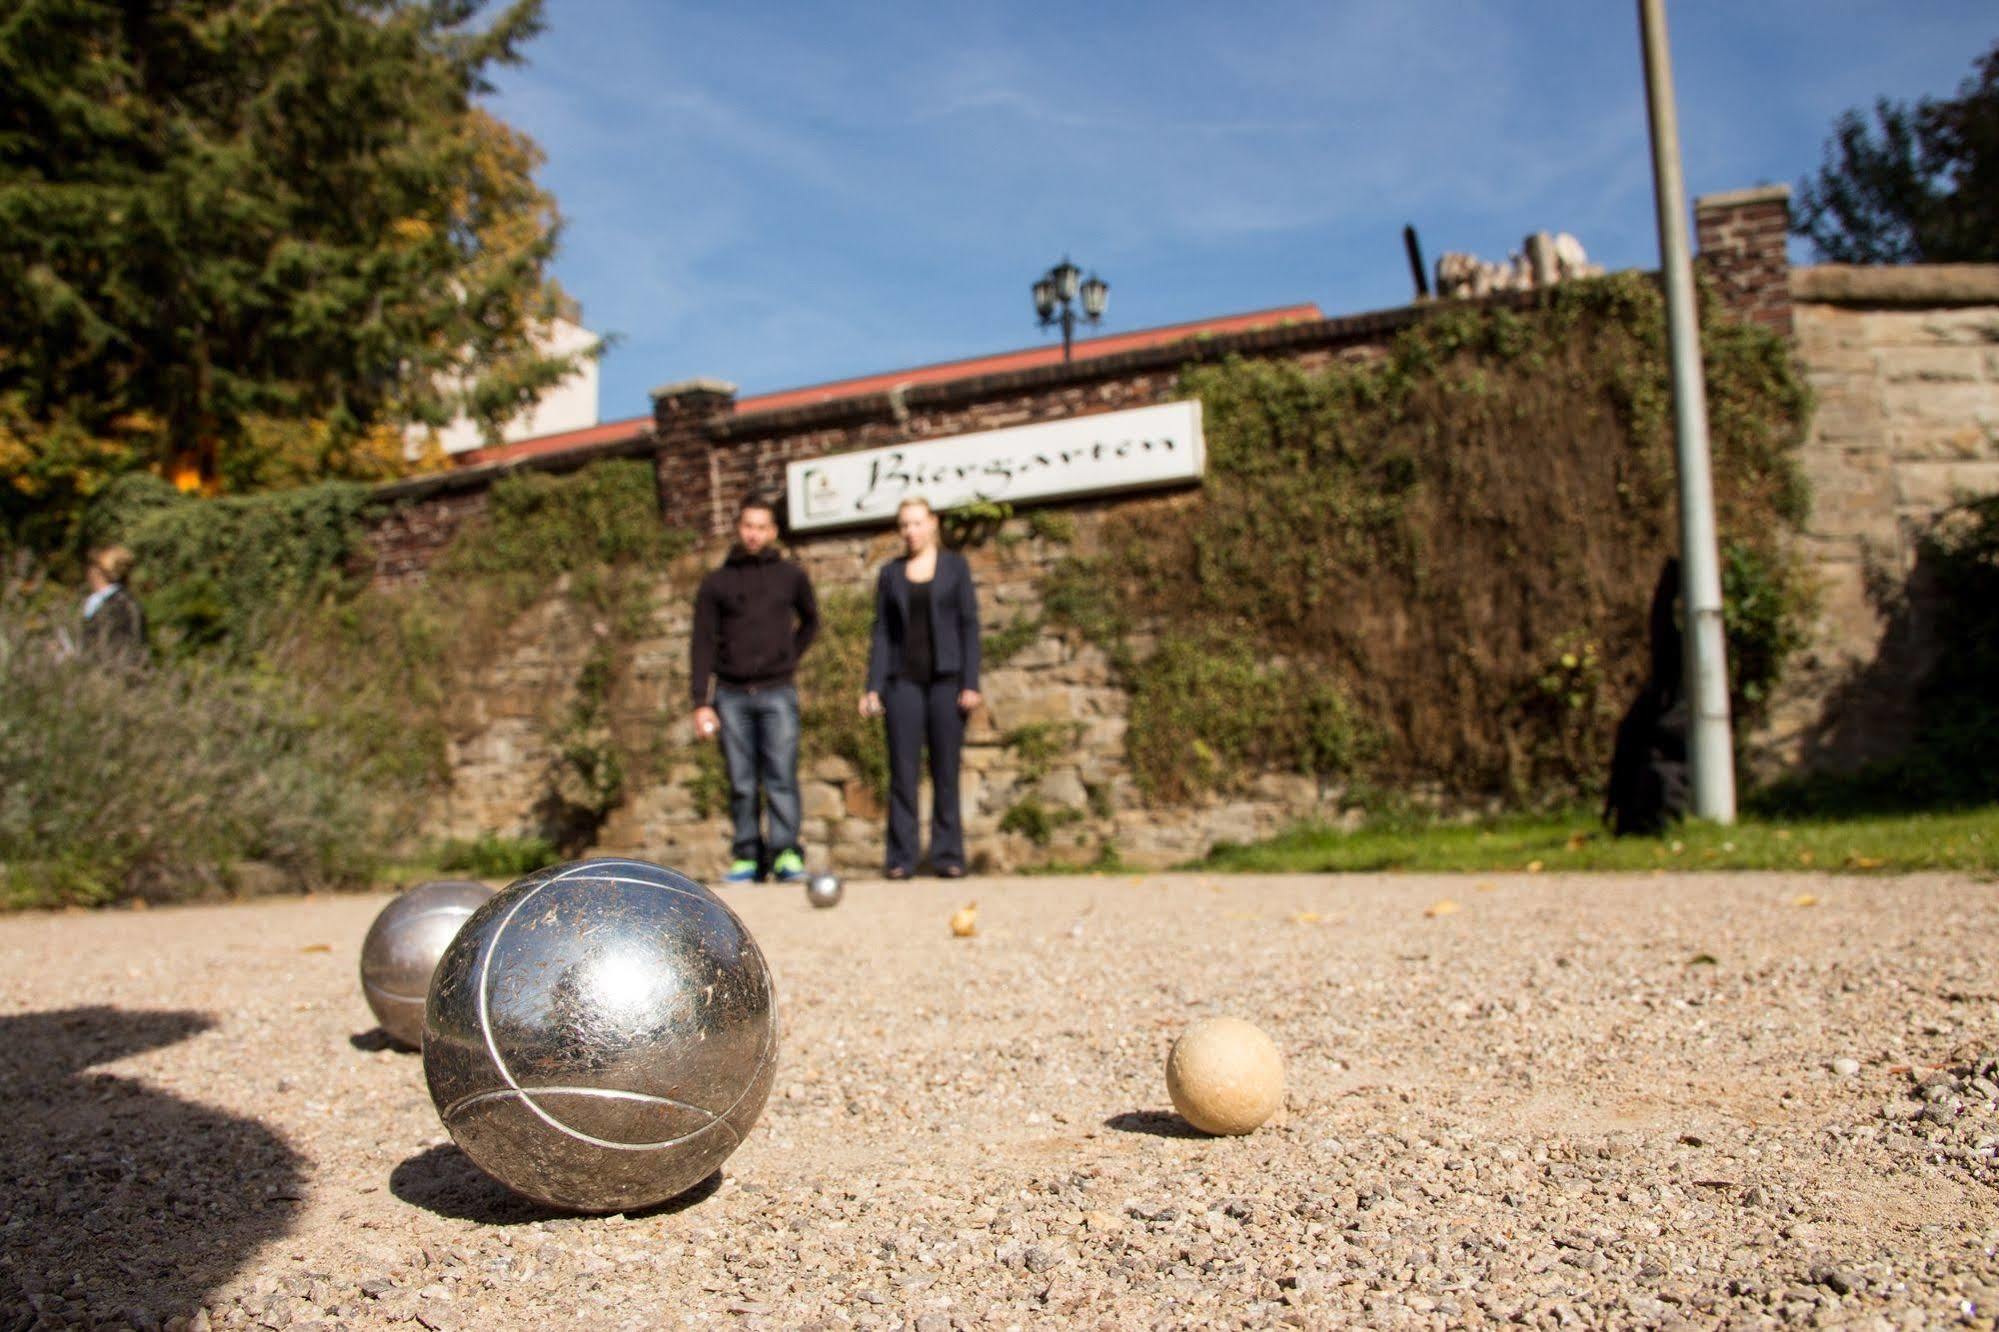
column 491, row 856
column 157, row 784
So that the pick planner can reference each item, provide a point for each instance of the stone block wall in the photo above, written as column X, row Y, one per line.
column 1056, row 685
column 1904, row 368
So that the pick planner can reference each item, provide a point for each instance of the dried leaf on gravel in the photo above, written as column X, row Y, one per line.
column 1440, row 908
column 965, row 920
column 1805, row 900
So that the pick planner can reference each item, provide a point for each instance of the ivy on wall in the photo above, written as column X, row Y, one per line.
column 1431, row 567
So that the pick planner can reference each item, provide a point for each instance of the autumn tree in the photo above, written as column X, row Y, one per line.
column 1919, row 185
column 248, row 241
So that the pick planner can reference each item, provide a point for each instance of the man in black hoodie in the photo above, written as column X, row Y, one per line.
column 753, row 619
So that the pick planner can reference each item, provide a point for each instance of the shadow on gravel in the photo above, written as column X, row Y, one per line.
column 376, row 1040
column 443, row 1180
column 1157, row 1123
column 124, row 1205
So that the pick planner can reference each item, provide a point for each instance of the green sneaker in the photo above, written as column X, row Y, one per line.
column 741, row 871
column 789, row 866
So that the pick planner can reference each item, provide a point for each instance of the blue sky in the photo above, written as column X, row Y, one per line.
column 779, row 194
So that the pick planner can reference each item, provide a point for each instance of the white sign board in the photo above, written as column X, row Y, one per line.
column 1085, row 455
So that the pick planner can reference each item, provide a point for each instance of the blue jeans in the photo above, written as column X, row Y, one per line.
column 760, row 744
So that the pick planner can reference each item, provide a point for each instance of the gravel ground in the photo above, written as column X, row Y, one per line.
column 1617, row 1101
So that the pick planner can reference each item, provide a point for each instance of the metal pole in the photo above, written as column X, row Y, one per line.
column 1710, row 749
column 1068, row 329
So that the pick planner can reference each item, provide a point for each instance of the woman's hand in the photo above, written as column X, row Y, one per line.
column 707, row 722
column 968, row 700
column 871, row 704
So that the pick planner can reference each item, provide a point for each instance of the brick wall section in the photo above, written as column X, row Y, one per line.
column 418, row 517
column 710, row 457
column 408, row 536
column 1742, row 238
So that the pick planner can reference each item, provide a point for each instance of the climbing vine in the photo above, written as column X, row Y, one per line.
column 1392, row 558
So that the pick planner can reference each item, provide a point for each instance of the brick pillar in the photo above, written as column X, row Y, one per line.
column 1742, row 236
column 685, row 463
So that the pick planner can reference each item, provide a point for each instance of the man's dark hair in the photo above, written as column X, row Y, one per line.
column 759, row 500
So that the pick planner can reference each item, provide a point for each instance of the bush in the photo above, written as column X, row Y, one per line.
column 160, row 784
column 491, row 856
column 265, row 595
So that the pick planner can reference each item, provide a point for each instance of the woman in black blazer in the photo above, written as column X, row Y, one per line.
column 923, row 674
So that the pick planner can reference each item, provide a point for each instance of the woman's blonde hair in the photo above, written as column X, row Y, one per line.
column 114, row 562
column 909, row 501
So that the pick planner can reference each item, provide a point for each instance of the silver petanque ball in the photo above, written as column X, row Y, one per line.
column 402, row 948
column 824, row 890
column 601, row 1035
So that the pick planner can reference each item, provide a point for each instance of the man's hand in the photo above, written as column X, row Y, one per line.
column 707, row 724
column 871, row 704
column 968, row 700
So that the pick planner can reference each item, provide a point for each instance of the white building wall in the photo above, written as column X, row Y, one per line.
column 570, row 405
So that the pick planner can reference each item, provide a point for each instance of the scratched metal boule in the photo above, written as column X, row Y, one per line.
column 601, row 1035
column 824, row 890
column 403, row 946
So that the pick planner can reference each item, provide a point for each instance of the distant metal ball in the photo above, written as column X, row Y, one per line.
column 824, row 890
column 402, row 948
column 601, row 1035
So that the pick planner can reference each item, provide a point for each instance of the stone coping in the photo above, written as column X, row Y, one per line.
column 1755, row 194
column 1896, row 284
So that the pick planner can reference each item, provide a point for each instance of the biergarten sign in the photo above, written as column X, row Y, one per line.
column 1137, row 449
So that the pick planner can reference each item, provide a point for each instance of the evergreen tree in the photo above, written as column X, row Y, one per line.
column 248, row 240
column 1919, row 186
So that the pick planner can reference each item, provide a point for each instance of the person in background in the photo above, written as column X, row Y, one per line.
column 114, row 627
column 923, row 675
column 753, row 619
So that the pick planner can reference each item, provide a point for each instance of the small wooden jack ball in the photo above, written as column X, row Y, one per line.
column 1225, row 1076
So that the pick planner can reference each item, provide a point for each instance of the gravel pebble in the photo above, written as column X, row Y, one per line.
column 1532, row 1110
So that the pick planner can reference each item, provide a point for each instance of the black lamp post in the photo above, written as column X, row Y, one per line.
column 1057, row 289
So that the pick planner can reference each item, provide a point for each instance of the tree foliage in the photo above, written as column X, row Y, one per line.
column 248, row 240
column 1920, row 185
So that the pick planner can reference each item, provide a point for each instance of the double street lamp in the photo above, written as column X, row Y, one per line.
column 1055, row 295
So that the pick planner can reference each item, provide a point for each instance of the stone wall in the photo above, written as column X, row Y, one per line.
column 1904, row 367
column 1056, row 685
column 1905, row 364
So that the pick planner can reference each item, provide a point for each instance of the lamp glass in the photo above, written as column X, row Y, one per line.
column 1044, row 298
column 1065, row 275
column 1096, row 295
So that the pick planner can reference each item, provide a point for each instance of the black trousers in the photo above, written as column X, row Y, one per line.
column 920, row 716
